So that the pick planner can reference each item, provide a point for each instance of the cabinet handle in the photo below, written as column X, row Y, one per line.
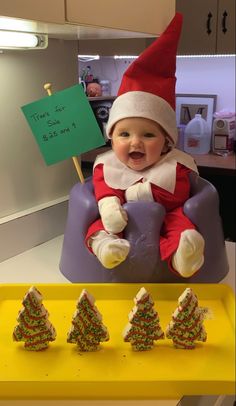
column 223, row 22
column 208, row 24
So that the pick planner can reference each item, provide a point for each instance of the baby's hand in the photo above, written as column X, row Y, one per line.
column 113, row 216
column 139, row 191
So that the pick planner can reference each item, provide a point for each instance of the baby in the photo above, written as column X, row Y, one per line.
column 143, row 163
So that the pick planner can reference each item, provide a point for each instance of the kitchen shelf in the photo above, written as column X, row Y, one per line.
column 101, row 98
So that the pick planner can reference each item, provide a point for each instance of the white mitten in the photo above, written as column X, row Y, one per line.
column 109, row 249
column 139, row 191
column 189, row 256
column 114, row 217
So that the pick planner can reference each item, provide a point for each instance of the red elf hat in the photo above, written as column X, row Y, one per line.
column 148, row 86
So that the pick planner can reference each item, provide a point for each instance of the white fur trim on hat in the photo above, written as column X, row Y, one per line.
column 146, row 105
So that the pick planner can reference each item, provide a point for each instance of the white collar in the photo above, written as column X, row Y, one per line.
column 163, row 173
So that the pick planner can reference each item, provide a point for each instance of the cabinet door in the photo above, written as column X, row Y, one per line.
column 150, row 17
column 226, row 27
column 199, row 26
column 43, row 10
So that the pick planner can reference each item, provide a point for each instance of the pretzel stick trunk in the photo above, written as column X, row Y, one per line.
column 48, row 88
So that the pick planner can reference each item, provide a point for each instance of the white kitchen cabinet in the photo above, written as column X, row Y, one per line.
column 208, row 28
column 44, row 10
column 150, row 16
column 76, row 19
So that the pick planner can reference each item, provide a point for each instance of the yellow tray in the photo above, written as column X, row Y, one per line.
column 115, row 371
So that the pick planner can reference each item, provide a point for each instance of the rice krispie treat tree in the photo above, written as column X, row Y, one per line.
column 87, row 330
column 143, row 327
column 34, row 328
column 186, row 325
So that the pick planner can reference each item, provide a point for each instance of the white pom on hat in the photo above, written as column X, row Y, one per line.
column 148, row 86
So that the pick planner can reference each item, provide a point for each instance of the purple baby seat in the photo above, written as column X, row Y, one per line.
column 143, row 264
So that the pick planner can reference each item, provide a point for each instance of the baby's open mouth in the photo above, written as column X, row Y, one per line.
column 136, row 155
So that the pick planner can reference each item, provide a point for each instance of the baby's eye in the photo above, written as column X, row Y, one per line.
column 149, row 135
column 124, row 134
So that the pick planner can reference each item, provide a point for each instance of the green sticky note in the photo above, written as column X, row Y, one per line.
column 63, row 124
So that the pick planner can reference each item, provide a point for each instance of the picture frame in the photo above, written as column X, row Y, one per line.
column 187, row 105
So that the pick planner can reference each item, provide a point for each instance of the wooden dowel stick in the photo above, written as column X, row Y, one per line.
column 48, row 88
column 78, row 168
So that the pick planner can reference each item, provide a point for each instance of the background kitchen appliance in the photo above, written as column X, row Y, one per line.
column 223, row 135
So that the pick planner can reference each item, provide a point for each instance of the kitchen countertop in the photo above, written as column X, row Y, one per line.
column 37, row 265
column 211, row 160
column 41, row 265
column 225, row 163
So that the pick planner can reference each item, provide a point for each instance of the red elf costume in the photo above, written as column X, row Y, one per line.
column 147, row 91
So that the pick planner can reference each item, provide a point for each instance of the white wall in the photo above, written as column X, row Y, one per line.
column 25, row 180
column 209, row 76
column 194, row 75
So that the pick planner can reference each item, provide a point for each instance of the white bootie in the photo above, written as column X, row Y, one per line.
column 188, row 257
column 109, row 249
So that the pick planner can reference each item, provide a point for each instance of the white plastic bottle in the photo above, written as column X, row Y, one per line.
column 197, row 136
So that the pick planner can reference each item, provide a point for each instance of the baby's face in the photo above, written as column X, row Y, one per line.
column 138, row 142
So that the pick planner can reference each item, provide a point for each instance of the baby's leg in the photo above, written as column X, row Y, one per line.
column 181, row 245
column 108, row 248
